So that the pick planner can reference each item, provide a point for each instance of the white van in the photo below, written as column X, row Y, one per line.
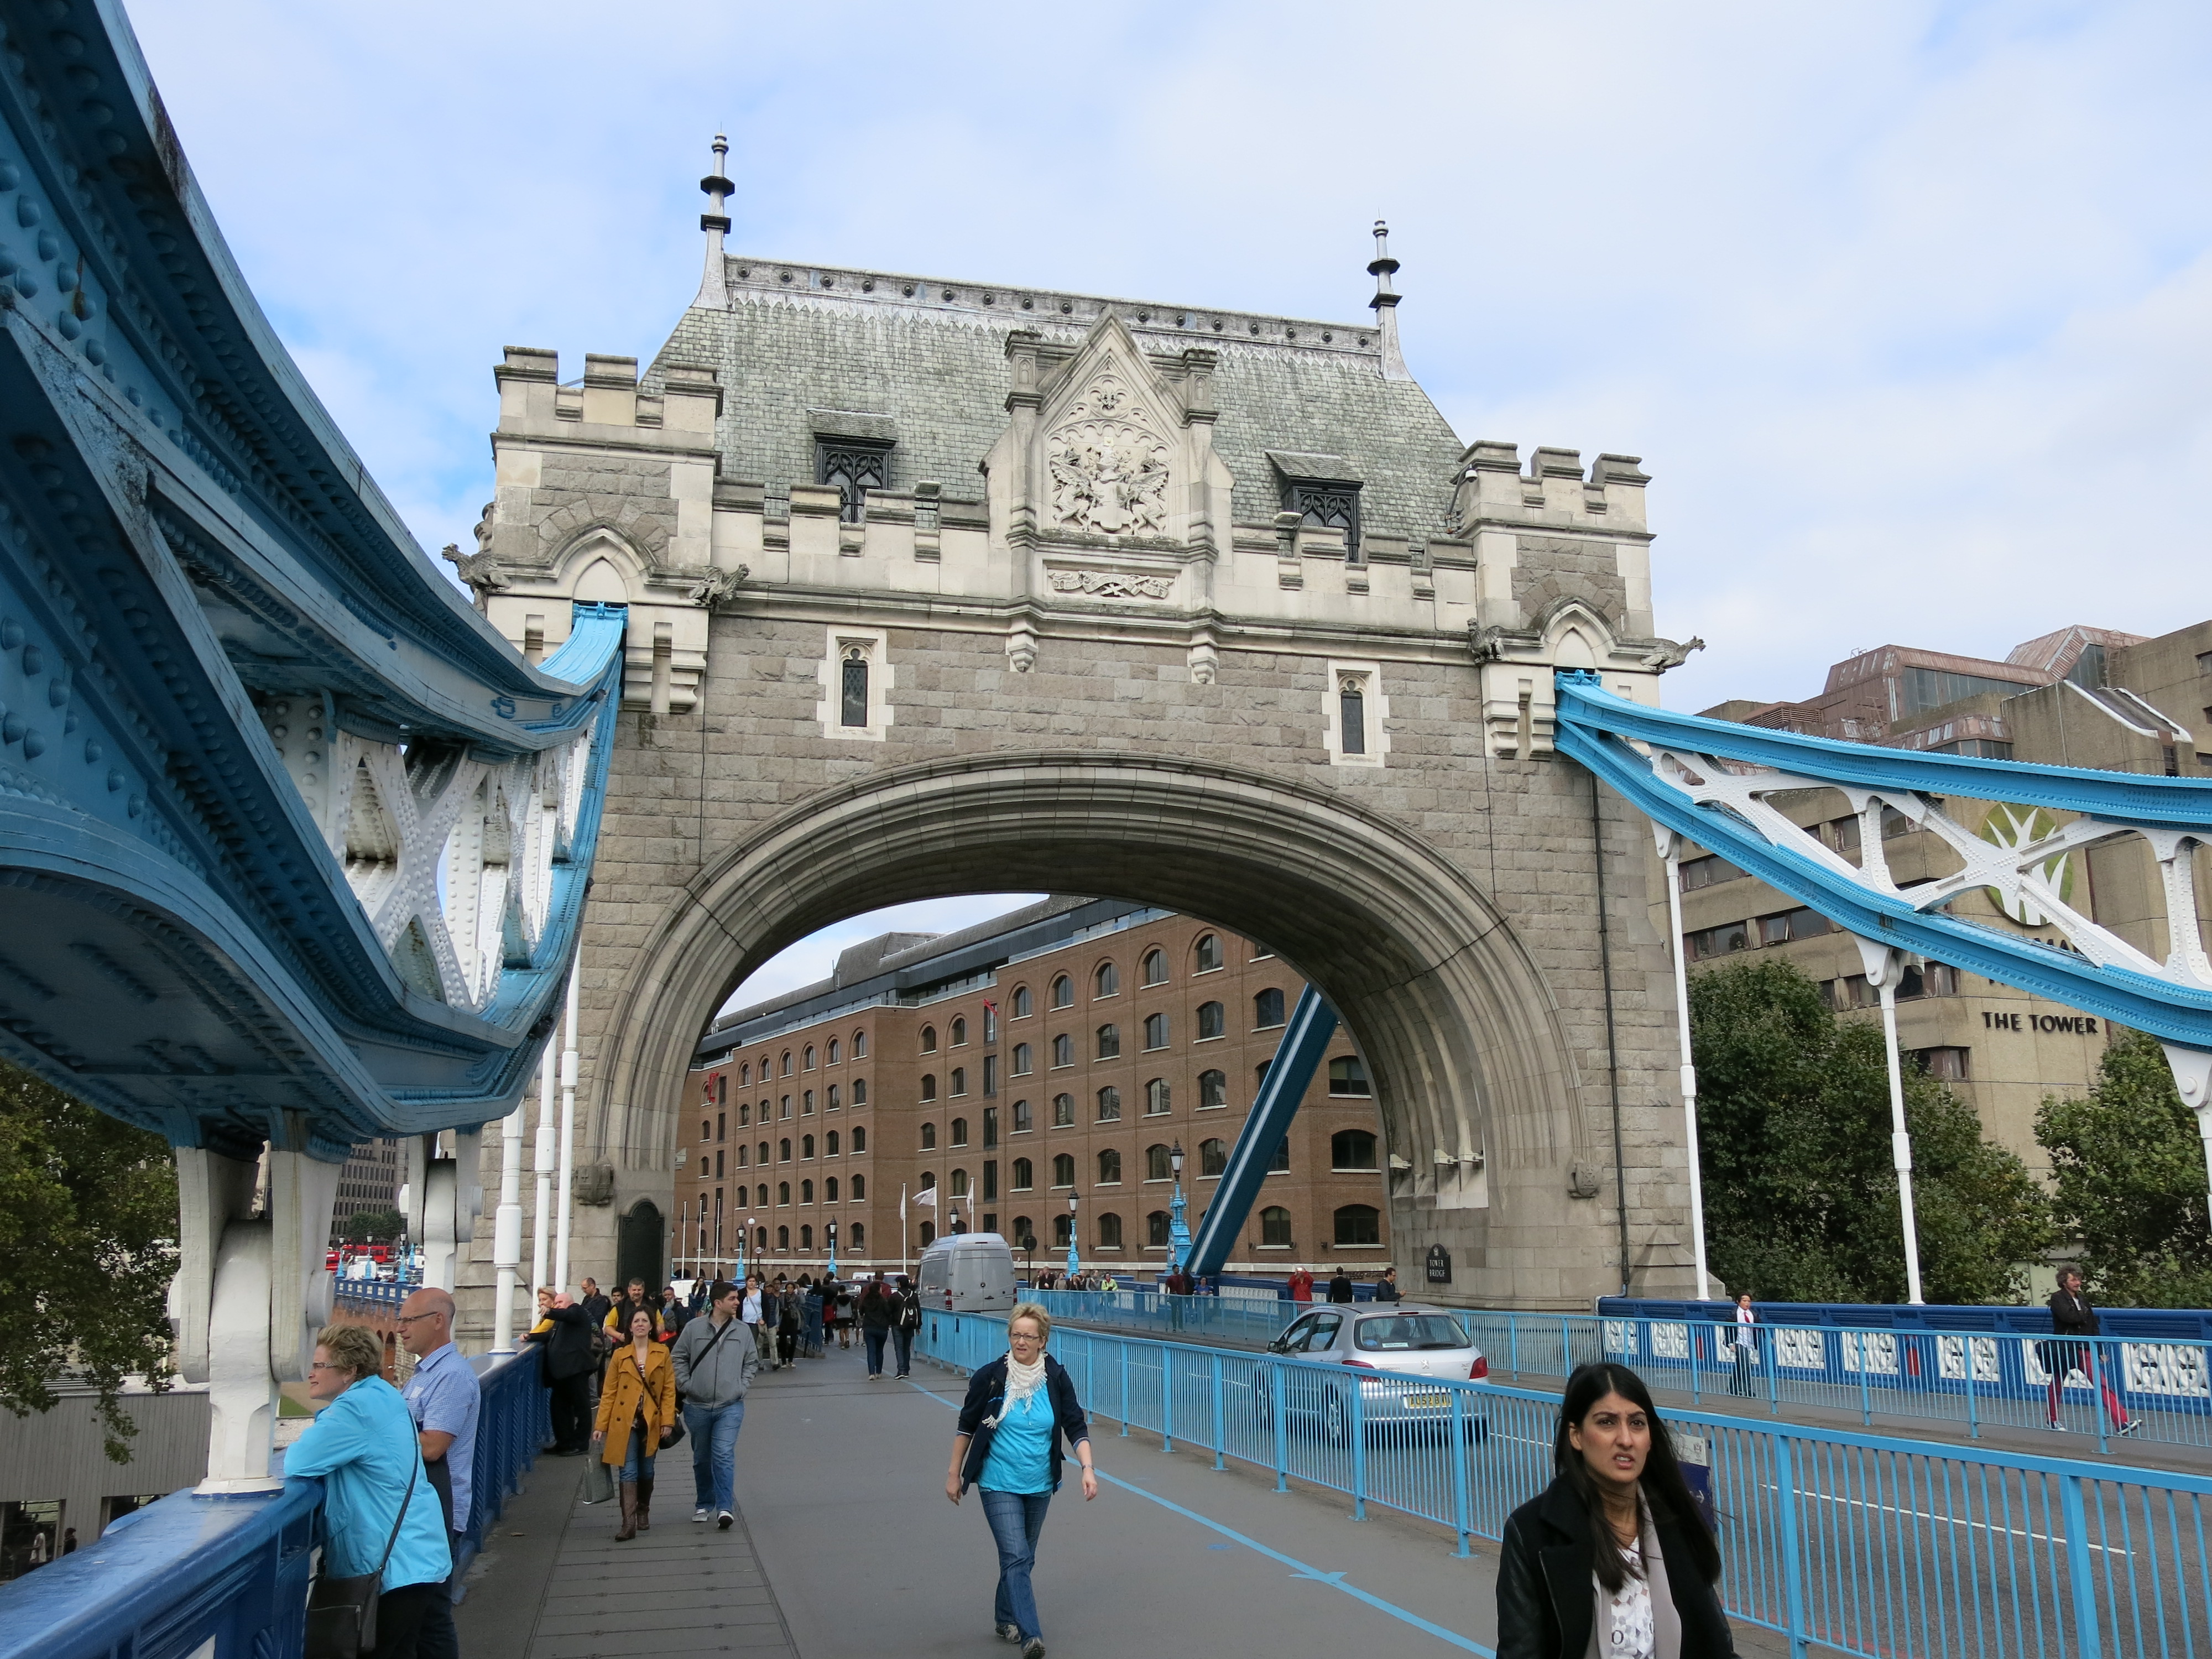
column 968, row 1273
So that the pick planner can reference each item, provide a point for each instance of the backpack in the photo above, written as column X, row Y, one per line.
column 910, row 1311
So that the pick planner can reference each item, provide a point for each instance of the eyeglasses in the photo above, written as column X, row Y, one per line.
column 327, row 1365
column 408, row 1319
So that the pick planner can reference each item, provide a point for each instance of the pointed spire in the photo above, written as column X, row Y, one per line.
column 714, row 292
column 1381, row 268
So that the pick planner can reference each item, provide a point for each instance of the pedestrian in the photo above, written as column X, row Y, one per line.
column 39, row 1552
column 790, row 1326
column 637, row 1409
column 1613, row 1558
column 69, row 1541
column 814, row 1309
column 619, row 1311
column 568, row 1361
column 908, row 1326
column 593, row 1301
column 377, row 1514
column 1340, row 1285
column 754, row 1310
column 1386, row 1288
column 1746, row 1343
column 844, row 1311
column 878, row 1312
column 714, row 1362
column 1018, row 1411
column 1301, row 1284
column 443, row 1399
column 2071, row 1315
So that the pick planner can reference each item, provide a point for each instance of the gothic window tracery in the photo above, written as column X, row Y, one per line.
column 853, row 466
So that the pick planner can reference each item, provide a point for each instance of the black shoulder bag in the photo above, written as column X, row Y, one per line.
column 342, row 1611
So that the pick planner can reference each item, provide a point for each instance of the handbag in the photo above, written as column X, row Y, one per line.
column 598, row 1480
column 673, row 1431
column 342, row 1611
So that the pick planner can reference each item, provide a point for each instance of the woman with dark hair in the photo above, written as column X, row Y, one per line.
column 1614, row 1558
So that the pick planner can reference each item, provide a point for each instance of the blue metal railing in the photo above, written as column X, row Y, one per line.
column 1865, row 1545
column 1182, row 1318
column 163, row 1581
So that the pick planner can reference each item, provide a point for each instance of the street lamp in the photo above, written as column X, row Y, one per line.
column 831, row 1230
column 1178, row 1234
column 954, row 1222
column 742, row 1233
column 1073, row 1266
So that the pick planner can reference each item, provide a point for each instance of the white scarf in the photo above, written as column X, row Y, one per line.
column 1023, row 1380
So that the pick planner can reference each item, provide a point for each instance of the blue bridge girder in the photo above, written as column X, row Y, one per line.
column 1685, row 783
column 295, row 845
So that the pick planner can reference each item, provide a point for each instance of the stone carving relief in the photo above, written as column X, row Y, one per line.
column 1112, row 584
column 1109, row 466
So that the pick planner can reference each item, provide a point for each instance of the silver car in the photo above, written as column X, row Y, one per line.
column 1402, row 1342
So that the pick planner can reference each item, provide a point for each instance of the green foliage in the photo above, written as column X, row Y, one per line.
column 375, row 1226
column 2127, row 1166
column 87, row 1230
column 1793, row 1136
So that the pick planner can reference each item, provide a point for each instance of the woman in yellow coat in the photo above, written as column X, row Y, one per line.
column 637, row 1405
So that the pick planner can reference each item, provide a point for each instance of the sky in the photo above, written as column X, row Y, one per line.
column 1906, row 307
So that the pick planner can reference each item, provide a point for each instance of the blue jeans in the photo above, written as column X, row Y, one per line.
column 1016, row 1518
column 638, row 1464
column 714, row 1452
column 904, row 1338
column 873, row 1336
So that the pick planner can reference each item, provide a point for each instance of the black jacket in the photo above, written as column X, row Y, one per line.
column 1340, row 1288
column 987, row 1398
column 2072, row 1316
column 566, row 1351
column 1546, row 1596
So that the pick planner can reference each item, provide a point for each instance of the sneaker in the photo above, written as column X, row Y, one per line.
column 1034, row 1648
column 2056, row 1428
column 2133, row 1425
column 1010, row 1633
column 724, row 1520
column 703, row 1513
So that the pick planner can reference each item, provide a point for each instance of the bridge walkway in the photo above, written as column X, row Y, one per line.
column 850, row 1550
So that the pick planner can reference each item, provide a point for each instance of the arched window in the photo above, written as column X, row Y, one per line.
column 1022, row 1172
column 806, row 1145
column 1107, row 980
column 960, row 1079
column 806, row 1191
column 1267, row 1009
column 1110, row 1231
column 783, row 1192
column 859, row 1141
column 960, row 1183
column 1109, row 1105
column 830, row 1144
column 1280, row 1163
column 806, row 1060
column 959, row 1033
column 764, row 1152
column 860, row 1234
column 1213, row 1089
column 745, row 1113
column 1024, row 1233
column 1156, row 1229
column 929, row 1232
column 929, row 1039
column 1063, row 991
column 743, row 1159
column 1022, row 1060
column 928, row 1181
column 829, row 1189
column 929, row 1137
column 1348, row 1075
column 1063, row 1110
column 1212, row 1021
column 929, row 1085
column 852, row 675
column 760, row 1195
column 783, row 1149
column 807, row 1105
column 1208, row 952
column 860, row 1045
column 1063, row 1170
column 1155, row 968
column 706, row 1130
column 1156, row 1097
column 1110, row 1166
column 760, row 1238
column 1275, row 1227
column 745, row 1075
column 1359, row 1224
column 834, row 1054
column 1213, row 1158
column 1109, row 1042
column 1157, row 1166
column 783, row 1238
column 859, row 1192
column 860, row 1091
column 1351, row 1149
column 1021, row 1002
column 1061, row 1227
column 806, row 1238
column 1022, row 1123
column 784, row 1106
column 786, row 1062
column 1063, row 1050
column 1156, row 1030
column 959, row 1131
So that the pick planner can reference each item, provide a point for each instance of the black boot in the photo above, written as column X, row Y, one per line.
column 645, row 1503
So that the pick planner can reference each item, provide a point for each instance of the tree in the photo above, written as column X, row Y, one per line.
column 373, row 1226
column 2127, row 1165
column 88, row 1247
column 1793, row 1139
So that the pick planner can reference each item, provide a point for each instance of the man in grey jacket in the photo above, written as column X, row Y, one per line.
column 714, row 1366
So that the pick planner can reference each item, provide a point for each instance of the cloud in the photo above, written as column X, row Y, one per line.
column 1903, row 304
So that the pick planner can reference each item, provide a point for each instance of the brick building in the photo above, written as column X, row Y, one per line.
column 1062, row 1050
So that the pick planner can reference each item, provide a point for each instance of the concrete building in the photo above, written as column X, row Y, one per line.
column 370, row 1180
column 1063, row 1050
column 55, row 1475
column 2079, row 696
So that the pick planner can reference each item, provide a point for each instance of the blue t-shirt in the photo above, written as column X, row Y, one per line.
column 363, row 1445
column 1021, row 1446
column 443, row 1394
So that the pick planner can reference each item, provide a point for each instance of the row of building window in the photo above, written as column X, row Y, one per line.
column 807, row 1060
column 834, row 1095
column 831, row 1146
column 1851, row 991
column 857, row 1193
column 1352, row 1224
column 855, row 1240
column 1347, row 1077
column 1780, row 928
column 1352, row 1152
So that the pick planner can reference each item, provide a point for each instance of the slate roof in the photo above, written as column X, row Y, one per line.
column 929, row 353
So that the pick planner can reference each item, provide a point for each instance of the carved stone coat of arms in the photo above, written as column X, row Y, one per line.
column 1109, row 468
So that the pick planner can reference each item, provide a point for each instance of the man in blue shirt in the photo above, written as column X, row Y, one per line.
column 443, row 1399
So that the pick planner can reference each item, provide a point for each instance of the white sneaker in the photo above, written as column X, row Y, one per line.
column 703, row 1514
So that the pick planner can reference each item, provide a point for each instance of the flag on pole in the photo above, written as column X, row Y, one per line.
column 928, row 1195
column 901, row 1200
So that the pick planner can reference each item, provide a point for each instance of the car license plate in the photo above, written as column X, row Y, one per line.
column 1429, row 1402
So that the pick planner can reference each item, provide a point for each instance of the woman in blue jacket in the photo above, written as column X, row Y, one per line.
column 1018, row 1410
